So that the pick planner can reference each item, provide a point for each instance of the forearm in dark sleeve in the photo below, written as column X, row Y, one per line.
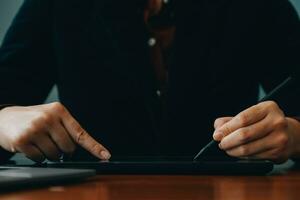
column 281, row 53
column 27, row 69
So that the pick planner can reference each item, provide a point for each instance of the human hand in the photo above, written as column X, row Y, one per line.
column 260, row 132
column 45, row 131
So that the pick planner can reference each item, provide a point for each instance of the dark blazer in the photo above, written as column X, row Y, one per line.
column 97, row 52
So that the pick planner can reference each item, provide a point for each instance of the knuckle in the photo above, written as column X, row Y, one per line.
column 243, row 119
column 80, row 135
column 225, row 130
column 46, row 118
column 271, row 104
column 35, row 126
column 245, row 135
column 75, row 125
column 57, row 107
column 283, row 140
column 281, row 122
column 216, row 123
column 219, row 122
column 244, row 151
column 273, row 108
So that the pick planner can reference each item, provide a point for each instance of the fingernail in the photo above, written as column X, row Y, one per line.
column 220, row 145
column 218, row 135
column 105, row 155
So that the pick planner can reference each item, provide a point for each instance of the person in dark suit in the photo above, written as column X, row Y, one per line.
column 148, row 77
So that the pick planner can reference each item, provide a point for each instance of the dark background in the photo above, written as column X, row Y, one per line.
column 8, row 9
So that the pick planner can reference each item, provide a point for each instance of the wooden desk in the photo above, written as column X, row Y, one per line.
column 171, row 187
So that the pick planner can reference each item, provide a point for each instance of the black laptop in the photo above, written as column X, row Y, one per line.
column 12, row 178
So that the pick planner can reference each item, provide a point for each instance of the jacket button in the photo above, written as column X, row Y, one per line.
column 158, row 93
column 152, row 42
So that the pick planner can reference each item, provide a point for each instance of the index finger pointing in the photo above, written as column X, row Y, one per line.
column 81, row 137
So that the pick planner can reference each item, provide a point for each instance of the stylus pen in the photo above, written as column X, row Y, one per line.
column 269, row 96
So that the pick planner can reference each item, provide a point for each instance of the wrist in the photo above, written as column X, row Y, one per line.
column 4, row 154
column 294, row 134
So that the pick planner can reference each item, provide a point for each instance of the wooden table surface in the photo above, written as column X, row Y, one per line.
column 286, row 186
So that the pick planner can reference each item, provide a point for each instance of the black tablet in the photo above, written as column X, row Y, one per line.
column 171, row 166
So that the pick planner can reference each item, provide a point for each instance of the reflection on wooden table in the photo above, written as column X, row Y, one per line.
column 171, row 187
